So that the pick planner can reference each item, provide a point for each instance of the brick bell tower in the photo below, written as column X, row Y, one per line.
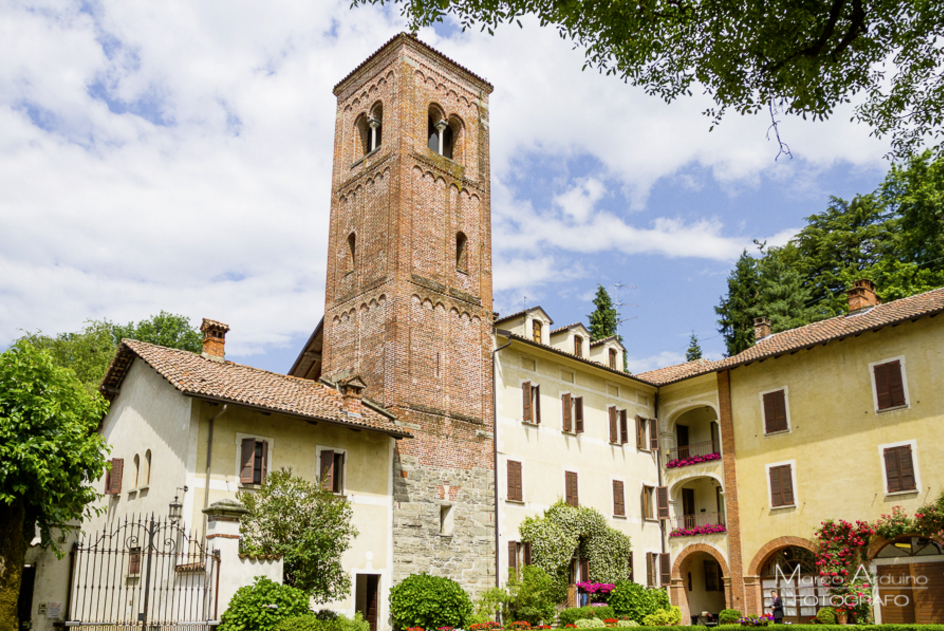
column 408, row 304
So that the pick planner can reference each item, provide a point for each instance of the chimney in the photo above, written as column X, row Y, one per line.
column 761, row 327
column 352, row 389
column 862, row 296
column 214, row 339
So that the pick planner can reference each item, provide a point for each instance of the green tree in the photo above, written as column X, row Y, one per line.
column 737, row 308
column 694, row 350
column 89, row 352
column 308, row 525
column 534, row 596
column 604, row 320
column 782, row 295
column 914, row 191
column 49, row 453
column 802, row 57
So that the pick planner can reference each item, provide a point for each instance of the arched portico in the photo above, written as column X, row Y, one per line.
column 706, row 591
column 753, row 582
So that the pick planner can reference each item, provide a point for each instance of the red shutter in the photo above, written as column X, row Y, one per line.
column 512, row 556
column 327, row 469
column 578, row 413
column 514, row 481
column 568, row 412
column 640, row 432
column 665, row 569
column 662, row 497
column 526, row 401
column 265, row 461
column 653, row 434
column 537, row 403
column 619, row 503
column 614, row 433
column 113, row 479
column 570, row 488
column 246, row 456
column 527, row 554
column 624, row 427
column 775, row 412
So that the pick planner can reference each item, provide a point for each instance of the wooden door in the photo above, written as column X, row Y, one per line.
column 681, row 436
column 929, row 602
column 372, row 589
column 895, row 580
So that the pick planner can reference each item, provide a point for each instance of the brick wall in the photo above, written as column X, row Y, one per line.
column 731, row 506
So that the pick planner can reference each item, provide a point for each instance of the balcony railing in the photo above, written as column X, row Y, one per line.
column 694, row 453
column 698, row 524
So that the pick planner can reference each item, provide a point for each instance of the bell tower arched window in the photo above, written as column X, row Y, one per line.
column 440, row 133
column 462, row 253
column 375, row 123
column 352, row 251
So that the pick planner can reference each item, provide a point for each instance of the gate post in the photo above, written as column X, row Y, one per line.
column 223, row 537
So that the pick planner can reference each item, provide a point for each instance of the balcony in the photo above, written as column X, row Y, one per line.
column 694, row 453
column 698, row 524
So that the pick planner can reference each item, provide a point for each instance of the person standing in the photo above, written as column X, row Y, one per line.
column 777, row 607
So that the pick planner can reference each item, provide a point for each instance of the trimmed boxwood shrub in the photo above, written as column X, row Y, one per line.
column 664, row 617
column 429, row 602
column 633, row 600
column 572, row 615
column 250, row 608
column 323, row 622
column 590, row 623
column 729, row 616
column 818, row 627
column 826, row 615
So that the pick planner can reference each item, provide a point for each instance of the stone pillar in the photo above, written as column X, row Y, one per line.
column 223, row 537
column 440, row 127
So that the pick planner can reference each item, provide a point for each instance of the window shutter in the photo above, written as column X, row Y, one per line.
column 653, row 434
column 570, row 489
column 619, row 504
column 624, row 427
column 265, row 461
column 665, row 569
column 526, row 401
column 781, row 486
column 514, row 481
column 786, row 483
column 568, row 412
column 776, row 493
column 906, row 467
column 640, row 433
column 578, row 413
column 113, row 481
column 247, row 454
column 512, row 556
column 892, row 473
column 527, row 554
column 662, row 494
column 896, row 388
column 327, row 469
column 775, row 412
column 650, row 569
column 338, row 472
column 614, row 437
column 536, row 390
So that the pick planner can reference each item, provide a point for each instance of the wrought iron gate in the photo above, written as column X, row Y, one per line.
column 142, row 573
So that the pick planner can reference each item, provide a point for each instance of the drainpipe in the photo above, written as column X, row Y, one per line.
column 206, row 486
column 506, row 334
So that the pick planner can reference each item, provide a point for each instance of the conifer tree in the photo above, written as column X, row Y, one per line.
column 604, row 319
column 737, row 308
column 694, row 350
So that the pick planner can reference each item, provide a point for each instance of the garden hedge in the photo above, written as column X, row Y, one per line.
column 572, row 615
column 810, row 627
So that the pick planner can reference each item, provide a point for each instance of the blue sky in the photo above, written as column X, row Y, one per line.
column 177, row 157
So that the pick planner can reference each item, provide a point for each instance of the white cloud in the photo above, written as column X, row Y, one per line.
column 637, row 365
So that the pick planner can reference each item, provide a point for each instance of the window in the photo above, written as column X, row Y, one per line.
column 619, row 426
column 113, row 477
column 254, row 461
column 332, row 470
column 889, row 385
column 137, row 471
column 572, row 408
column 648, row 502
column 536, row 330
column 624, row 427
column 619, row 499
column 629, row 565
column 375, row 122
column 570, row 488
column 662, row 502
column 134, row 562
column 613, row 358
column 147, row 467
column 441, row 135
column 531, row 403
column 775, row 411
column 578, row 414
column 713, row 576
column 899, row 469
column 462, row 253
column 658, row 569
column 647, row 434
column 578, row 346
column 446, row 520
column 352, row 251
column 515, row 489
column 781, row 485
column 614, row 424
column 518, row 553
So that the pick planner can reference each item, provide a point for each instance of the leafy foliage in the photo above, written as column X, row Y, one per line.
column 572, row 615
column 490, row 606
column 694, row 349
column 563, row 528
column 664, row 617
column 89, row 352
column 800, row 57
column 604, row 321
column 429, row 602
column 728, row 616
column 251, row 608
column 318, row 622
column 306, row 524
column 590, row 623
column 534, row 597
column 826, row 615
column 636, row 601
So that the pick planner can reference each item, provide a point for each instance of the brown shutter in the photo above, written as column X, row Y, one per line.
column 906, row 467
column 781, row 486
column 512, row 556
column 665, row 569
column 526, row 401
column 514, row 481
column 775, row 412
column 578, row 413
column 881, row 386
column 614, row 433
column 653, row 434
column 265, row 461
column 570, row 488
column 527, row 554
column 134, row 562
column 776, row 493
column 892, row 472
column 786, row 482
column 568, row 412
column 624, row 427
column 585, row 569
column 327, row 469
column 113, row 480
column 662, row 496
column 650, row 569
column 619, row 503
column 246, row 457
column 640, row 432
column 537, row 403
column 896, row 388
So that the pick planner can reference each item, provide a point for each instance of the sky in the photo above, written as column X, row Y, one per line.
column 177, row 156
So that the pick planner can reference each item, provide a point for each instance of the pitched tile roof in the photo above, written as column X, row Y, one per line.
column 522, row 312
column 195, row 375
column 569, row 326
column 891, row 313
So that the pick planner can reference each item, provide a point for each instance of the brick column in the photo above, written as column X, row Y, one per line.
column 731, row 506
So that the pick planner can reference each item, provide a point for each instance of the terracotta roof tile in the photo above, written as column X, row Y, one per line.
column 521, row 313
column 677, row 372
column 569, row 326
column 195, row 375
column 585, row 360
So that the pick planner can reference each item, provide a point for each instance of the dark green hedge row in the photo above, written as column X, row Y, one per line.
column 805, row 627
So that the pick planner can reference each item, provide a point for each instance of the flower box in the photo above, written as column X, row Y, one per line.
column 708, row 529
column 686, row 462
